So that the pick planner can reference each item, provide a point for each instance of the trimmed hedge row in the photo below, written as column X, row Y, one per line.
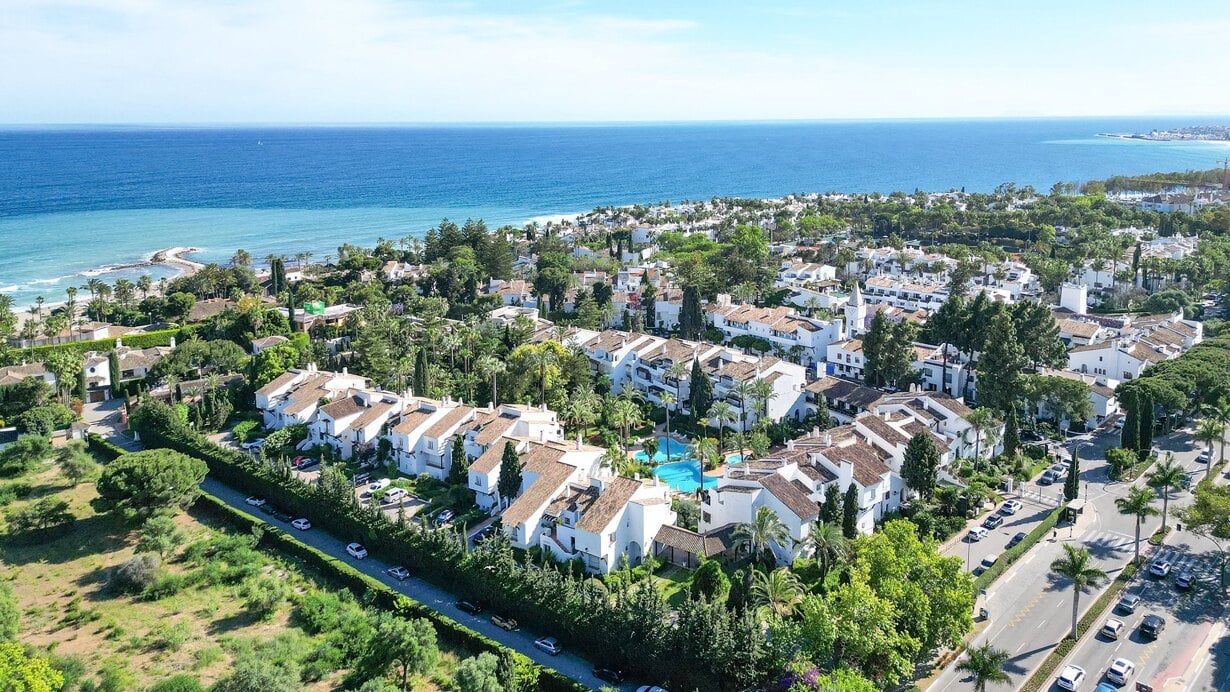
column 161, row 337
column 97, row 443
column 358, row 583
column 1013, row 554
column 1042, row 675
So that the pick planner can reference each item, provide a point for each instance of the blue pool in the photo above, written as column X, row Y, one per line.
column 683, row 476
column 678, row 450
column 734, row 458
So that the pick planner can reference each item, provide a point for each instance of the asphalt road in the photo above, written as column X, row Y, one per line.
column 1031, row 609
column 428, row 594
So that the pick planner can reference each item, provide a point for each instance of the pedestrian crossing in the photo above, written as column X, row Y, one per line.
column 1178, row 559
column 1108, row 541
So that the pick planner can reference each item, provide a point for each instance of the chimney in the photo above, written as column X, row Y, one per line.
column 345, row 370
column 172, row 342
column 828, row 440
column 815, row 432
column 119, row 342
column 789, row 445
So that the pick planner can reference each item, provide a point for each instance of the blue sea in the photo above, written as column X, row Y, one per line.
column 73, row 200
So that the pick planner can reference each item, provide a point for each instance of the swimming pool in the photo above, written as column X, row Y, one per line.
column 734, row 458
column 678, row 450
column 684, row 476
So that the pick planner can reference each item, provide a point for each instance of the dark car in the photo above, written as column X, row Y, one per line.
column 1184, row 580
column 469, row 607
column 993, row 522
column 1151, row 626
column 1031, row 436
column 1128, row 603
column 1047, row 477
column 609, row 674
column 1016, row 539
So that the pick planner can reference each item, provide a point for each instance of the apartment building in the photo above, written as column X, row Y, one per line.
column 795, row 337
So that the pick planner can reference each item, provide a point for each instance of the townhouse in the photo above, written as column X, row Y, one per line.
column 801, row 339
column 294, row 396
column 792, row 273
column 940, row 368
column 353, row 424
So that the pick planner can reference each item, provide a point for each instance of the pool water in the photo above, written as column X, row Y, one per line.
column 678, row 450
column 734, row 458
column 684, row 476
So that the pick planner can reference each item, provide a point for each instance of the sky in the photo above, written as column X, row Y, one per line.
column 389, row 61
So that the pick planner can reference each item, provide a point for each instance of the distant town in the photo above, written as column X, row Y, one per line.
column 1207, row 133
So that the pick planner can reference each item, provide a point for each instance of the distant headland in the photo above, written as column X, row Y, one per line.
column 1196, row 133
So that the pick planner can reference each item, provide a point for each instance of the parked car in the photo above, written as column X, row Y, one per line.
column 360, row 478
column 1048, row 476
column 976, row 534
column 469, row 607
column 255, row 501
column 444, row 517
column 282, row 515
column 1160, row 568
column 1071, row 677
column 484, row 533
column 379, row 485
column 1010, row 507
column 395, row 495
column 266, row 508
column 550, row 645
column 1020, row 536
column 1031, row 436
column 1204, row 457
column 1120, row 671
column 357, row 551
column 1112, row 629
column 302, row 463
column 989, row 560
column 1152, row 625
column 399, row 573
column 1184, row 580
column 253, row 444
column 609, row 674
column 1128, row 603
column 993, row 521
column 504, row 623
column 301, row 524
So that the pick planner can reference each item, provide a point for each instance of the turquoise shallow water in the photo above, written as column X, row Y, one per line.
column 73, row 199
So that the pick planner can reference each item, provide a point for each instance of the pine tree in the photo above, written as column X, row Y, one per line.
column 830, row 510
column 849, row 513
column 509, row 483
column 691, row 321
column 1071, row 484
column 459, row 470
column 921, row 464
column 999, row 369
column 700, row 394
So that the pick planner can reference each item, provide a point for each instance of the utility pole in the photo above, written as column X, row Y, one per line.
column 1225, row 174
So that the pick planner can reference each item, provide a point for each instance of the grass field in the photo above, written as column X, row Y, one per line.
column 108, row 639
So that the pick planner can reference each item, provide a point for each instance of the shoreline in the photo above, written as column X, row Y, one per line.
column 173, row 257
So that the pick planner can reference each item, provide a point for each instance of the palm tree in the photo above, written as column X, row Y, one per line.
column 763, row 529
column 1167, row 476
column 542, row 358
column 744, row 390
column 1076, row 564
column 615, row 459
column 667, row 400
column 490, row 368
column 1210, row 430
column 678, row 370
column 144, row 284
column 582, row 411
column 778, row 591
column 981, row 421
column 1221, row 412
column 828, row 545
column 627, row 415
column 1138, row 503
column 986, row 664
column 762, row 392
column 723, row 413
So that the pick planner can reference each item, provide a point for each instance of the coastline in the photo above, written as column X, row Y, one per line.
column 173, row 257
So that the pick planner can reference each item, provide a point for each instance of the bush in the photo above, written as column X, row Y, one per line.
column 43, row 420
column 179, row 683
column 137, row 573
column 245, row 430
column 164, row 586
column 263, row 596
column 168, row 636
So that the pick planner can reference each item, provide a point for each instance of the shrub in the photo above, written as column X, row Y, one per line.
column 168, row 636
column 263, row 595
column 245, row 430
column 164, row 586
column 179, row 683
column 137, row 573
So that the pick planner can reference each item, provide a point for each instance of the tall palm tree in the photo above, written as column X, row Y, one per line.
column 677, row 371
column 744, row 390
column 723, row 413
column 1221, row 412
column 757, row 534
column 582, row 411
column 762, row 392
column 667, row 400
column 981, row 421
column 144, row 283
column 614, row 459
column 986, row 664
column 1166, row 476
column 540, row 359
column 1209, row 431
column 490, row 368
column 1138, row 503
column 627, row 415
column 778, row 591
column 1077, row 565
column 828, row 545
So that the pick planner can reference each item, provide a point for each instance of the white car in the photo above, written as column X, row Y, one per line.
column 357, row 551
column 1112, row 629
column 1010, row 507
column 1120, row 671
column 255, row 501
column 301, row 524
column 379, row 485
column 398, row 573
column 394, row 495
column 976, row 534
column 1160, row 568
column 253, row 444
column 1204, row 457
column 550, row 645
column 1071, row 677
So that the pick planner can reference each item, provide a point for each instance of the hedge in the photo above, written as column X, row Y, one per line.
column 96, row 443
column 1042, row 675
column 1015, row 552
column 341, row 573
column 161, row 337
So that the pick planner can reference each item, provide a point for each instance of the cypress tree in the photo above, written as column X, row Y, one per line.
column 830, row 510
column 849, row 513
column 113, row 366
column 921, row 464
column 1071, row 484
column 691, row 322
column 1145, row 423
column 649, row 297
column 82, row 385
column 700, row 394
column 510, row 473
column 420, row 372
column 1012, row 433
column 1130, row 436
column 459, row 470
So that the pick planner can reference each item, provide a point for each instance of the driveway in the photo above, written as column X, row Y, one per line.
column 428, row 594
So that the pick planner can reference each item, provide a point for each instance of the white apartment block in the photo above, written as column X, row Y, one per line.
column 352, row 424
column 801, row 339
column 294, row 396
column 803, row 273
column 949, row 374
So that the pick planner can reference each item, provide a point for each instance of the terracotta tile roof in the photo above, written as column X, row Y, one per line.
column 817, row 473
column 680, row 539
column 575, row 499
column 494, row 428
column 450, row 420
column 869, row 467
column 882, row 429
column 794, row 499
column 344, row 407
column 551, row 476
column 915, row 428
column 608, row 505
column 489, row 460
column 378, row 411
column 275, row 384
column 1079, row 328
column 1144, row 353
column 848, row 392
column 16, row 373
column 411, row 420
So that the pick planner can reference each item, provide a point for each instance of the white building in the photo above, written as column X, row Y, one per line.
column 801, row 339
column 294, row 396
column 352, row 424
